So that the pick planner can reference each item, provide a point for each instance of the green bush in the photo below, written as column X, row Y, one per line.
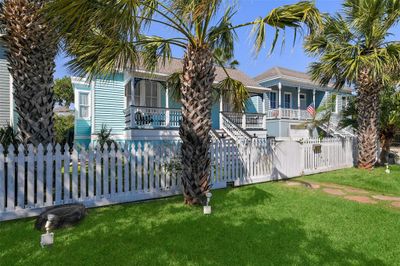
column 64, row 129
column 9, row 136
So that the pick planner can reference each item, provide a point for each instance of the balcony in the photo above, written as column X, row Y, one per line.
column 286, row 113
column 142, row 117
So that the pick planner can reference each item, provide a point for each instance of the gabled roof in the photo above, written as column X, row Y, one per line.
column 291, row 75
column 175, row 65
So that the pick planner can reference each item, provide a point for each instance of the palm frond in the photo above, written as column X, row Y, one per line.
column 174, row 86
column 235, row 92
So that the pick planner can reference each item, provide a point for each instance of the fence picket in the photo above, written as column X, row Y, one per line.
column 49, row 175
column 133, row 168
column 91, row 173
column 30, row 182
column 21, row 177
column 58, row 180
column 11, row 178
column 67, row 183
column 83, row 184
column 126, row 168
column 139, row 168
column 40, row 176
column 74, row 159
column 119, row 171
column 112, row 170
column 98, row 172
column 106, row 176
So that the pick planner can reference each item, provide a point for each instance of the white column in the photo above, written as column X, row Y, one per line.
column 313, row 99
column 243, row 120
column 298, row 103
column 280, row 99
column 221, row 106
column 167, row 113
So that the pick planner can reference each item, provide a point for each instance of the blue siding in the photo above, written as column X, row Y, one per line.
column 215, row 115
column 109, row 103
column 82, row 127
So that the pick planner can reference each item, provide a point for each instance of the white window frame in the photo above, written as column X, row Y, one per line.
column 78, row 104
column 276, row 99
column 291, row 100
column 305, row 99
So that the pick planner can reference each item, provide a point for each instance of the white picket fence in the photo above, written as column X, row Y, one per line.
column 33, row 179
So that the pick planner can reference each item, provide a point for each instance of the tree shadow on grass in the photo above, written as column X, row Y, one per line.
column 167, row 232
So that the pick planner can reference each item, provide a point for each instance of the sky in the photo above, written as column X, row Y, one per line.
column 287, row 55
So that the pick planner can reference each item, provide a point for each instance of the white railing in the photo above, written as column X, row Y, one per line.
column 233, row 130
column 288, row 113
column 33, row 179
column 247, row 120
column 152, row 117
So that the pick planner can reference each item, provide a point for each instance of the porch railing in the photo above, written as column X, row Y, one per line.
column 247, row 120
column 152, row 117
column 288, row 113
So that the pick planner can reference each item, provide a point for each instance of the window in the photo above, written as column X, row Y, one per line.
column 151, row 93
column 84, row 105
column 303, row 101
column 128, row 93
column 147, row 93
column 287, row 100
column 272, row 100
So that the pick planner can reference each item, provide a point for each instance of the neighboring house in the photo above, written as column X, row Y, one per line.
column 137, row 105
column 291, row 93
column 63, row 111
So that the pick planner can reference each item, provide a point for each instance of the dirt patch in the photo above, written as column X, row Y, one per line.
column 291, row 183
column 334, row 191
column 356, row 191
column 314, row 186
column 389, row 198
column 396, row 204
column 361, row 199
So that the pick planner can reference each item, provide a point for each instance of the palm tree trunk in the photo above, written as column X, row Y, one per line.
column 368, row 108
column 197, row 79
column 31, row 49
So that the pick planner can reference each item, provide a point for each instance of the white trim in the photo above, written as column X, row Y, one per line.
column 77, row 102
column 291, row 99
column 92, row 113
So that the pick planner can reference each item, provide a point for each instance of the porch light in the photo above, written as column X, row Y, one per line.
column 207, row 207
column 48, row 238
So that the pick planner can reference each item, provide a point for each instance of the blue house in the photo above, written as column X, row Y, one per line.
column 137, row 105
column 6, row 98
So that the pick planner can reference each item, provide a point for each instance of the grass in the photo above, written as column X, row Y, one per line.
column 376, row 180
column 263, row 224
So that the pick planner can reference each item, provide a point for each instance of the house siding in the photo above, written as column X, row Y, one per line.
column 4, row 89
column 109, row 104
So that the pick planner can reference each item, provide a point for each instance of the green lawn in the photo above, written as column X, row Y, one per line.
column 264, row 224
column 376, row 180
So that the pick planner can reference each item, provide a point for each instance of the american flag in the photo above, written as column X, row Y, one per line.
column 311, row 109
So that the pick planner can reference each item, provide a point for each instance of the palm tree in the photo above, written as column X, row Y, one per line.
column 389, row 119
column 353, row 48
column 31, row 49
column 322, row 116
column 104, row 36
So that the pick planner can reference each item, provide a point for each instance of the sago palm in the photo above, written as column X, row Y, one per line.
column 105, row 36
column 30, row 49
column 353, row 48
